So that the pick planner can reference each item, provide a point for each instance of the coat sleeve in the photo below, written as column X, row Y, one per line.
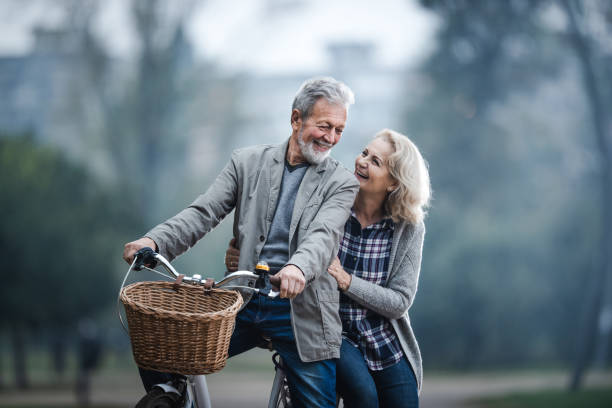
column 181, row 232
column 393, row 300
column 320, row 244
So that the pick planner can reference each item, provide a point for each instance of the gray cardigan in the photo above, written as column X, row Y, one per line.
column 395, row 298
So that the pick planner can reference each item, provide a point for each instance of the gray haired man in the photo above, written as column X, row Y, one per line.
column 291, row 203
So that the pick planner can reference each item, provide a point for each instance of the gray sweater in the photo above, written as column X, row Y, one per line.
column 395, row 298
column 276, row 249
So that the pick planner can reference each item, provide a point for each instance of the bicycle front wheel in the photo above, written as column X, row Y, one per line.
column 157, row 398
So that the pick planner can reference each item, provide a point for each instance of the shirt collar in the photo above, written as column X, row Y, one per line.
column 385, row 223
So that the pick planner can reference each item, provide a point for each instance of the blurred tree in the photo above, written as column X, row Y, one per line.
column 58, row 235
column 138, row 113
column 512, row 192
column 156, row 122
column 478, row 250
column 164, row 121
column 590, row 33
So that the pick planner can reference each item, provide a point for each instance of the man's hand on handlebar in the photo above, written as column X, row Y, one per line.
column 292, row 281
column 132, row 247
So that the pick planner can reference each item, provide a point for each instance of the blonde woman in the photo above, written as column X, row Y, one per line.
column 377, row 271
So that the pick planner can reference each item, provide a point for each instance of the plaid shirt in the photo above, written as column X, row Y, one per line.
column 365, row 253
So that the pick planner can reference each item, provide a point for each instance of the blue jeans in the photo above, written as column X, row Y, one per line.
column 311, row 384
column 359, row 386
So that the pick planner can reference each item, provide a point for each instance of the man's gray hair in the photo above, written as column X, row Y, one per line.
column 335, row 92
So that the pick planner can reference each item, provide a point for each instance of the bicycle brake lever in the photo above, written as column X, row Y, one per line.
column 272, row 282
column 266, row 287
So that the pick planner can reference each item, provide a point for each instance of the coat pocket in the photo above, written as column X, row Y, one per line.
column 308, row 214
column 252, row 184
column 329, row 304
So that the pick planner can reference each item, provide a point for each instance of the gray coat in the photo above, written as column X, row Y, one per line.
column 395, row 298
column 250, row 184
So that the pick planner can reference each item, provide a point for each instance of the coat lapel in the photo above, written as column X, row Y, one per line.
column 273, row 178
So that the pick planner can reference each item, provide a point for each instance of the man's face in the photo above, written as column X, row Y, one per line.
column 321, row 130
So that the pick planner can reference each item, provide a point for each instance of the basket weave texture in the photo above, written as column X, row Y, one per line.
column 184, row 331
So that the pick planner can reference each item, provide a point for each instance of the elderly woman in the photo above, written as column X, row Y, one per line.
column 377, row 271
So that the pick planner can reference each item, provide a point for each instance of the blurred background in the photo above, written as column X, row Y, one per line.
column 116, row 114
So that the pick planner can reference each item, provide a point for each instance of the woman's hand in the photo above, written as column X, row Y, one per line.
column 232, row 256
column 343, row 278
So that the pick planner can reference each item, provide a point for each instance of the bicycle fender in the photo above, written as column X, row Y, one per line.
column 168, row 388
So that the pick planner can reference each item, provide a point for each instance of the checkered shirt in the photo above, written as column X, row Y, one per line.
column 365, row 253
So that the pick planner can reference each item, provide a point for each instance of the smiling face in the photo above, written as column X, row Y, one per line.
column 316, row 135
column 371, row 168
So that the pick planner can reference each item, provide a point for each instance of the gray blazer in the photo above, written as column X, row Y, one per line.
column 395, row 298
column 250, row 184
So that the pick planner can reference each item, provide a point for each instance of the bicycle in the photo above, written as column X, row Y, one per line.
column 191, row 391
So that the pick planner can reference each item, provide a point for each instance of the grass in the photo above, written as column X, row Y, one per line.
column 591, row 398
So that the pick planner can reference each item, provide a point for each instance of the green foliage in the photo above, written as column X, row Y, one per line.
column 514, row 221
column 59, row 234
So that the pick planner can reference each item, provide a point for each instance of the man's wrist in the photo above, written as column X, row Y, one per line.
column 300, row 269
column 154, row 244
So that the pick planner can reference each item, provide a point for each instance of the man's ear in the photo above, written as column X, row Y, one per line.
column 296, row 119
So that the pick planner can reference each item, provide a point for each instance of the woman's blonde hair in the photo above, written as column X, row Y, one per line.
column 409, row 201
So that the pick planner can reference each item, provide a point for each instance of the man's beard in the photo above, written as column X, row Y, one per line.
column 310, row 154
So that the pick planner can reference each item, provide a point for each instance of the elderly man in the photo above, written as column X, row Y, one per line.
column 291, row 203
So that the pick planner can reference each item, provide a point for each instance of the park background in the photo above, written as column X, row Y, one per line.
column 115, row 114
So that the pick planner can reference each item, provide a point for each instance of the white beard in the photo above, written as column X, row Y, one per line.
column 310, row 154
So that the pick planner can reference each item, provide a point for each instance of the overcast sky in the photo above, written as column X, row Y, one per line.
column 270, row 36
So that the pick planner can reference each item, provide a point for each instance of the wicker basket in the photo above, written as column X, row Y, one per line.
column 184, row 331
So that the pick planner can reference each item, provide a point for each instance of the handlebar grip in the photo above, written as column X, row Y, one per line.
column 145, row 257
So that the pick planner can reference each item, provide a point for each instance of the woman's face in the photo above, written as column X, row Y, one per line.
column 371, row 168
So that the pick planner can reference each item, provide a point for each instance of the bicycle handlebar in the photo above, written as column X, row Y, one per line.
column 148, row 259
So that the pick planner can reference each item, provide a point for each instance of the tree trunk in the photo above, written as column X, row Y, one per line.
column 58, row 354
column 1, row 363
column 587, row 337
column 19, row 356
